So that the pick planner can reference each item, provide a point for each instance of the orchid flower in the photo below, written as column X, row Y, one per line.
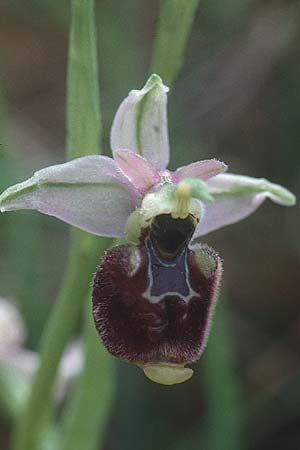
column 154, row 296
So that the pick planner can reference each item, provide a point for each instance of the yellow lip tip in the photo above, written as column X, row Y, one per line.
column 167, row 374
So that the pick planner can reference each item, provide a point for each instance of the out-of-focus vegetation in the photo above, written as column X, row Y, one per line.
column 236, row 98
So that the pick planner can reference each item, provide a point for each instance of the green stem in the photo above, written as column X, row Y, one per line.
column 83, row 137
column 225, row 419
column 85, row 253
column 88, row 411
column 175, row 23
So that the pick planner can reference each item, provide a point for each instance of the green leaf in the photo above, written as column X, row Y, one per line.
column 175, row 23
column 83, row 105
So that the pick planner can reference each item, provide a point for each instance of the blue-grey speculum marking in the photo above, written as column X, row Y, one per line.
column 168, row 271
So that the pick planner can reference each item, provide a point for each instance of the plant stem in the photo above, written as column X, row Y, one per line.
column 175, row 23
column 225, row 419
column 83, row 137
column 85, row 252
column 89, row 409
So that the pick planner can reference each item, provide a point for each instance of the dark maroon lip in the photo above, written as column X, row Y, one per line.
column 159, row 312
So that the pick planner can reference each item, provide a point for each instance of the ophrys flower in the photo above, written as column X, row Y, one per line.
column 154, row 296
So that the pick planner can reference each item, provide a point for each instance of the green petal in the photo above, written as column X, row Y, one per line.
column 236, row 197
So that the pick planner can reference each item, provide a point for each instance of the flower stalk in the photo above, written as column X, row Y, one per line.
column 84, row 254
column 225, row 425
column 83, row 136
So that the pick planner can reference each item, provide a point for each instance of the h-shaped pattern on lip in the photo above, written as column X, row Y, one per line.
column 168, row 278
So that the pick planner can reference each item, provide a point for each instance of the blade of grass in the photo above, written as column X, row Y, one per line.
column 84, row 130
column 175, row 23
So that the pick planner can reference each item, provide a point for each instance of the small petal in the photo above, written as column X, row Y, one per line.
column 236, row 197
column 90, row 193
column 236, row 185
column 141, row 172
column 201, row 169
column 140, row 123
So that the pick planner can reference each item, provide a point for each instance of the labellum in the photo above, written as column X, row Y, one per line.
column 153, row 301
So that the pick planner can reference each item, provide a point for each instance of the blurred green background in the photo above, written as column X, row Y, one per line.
column 237, row 98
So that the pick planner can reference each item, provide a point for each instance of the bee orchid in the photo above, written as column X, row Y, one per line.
column 154, row 296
